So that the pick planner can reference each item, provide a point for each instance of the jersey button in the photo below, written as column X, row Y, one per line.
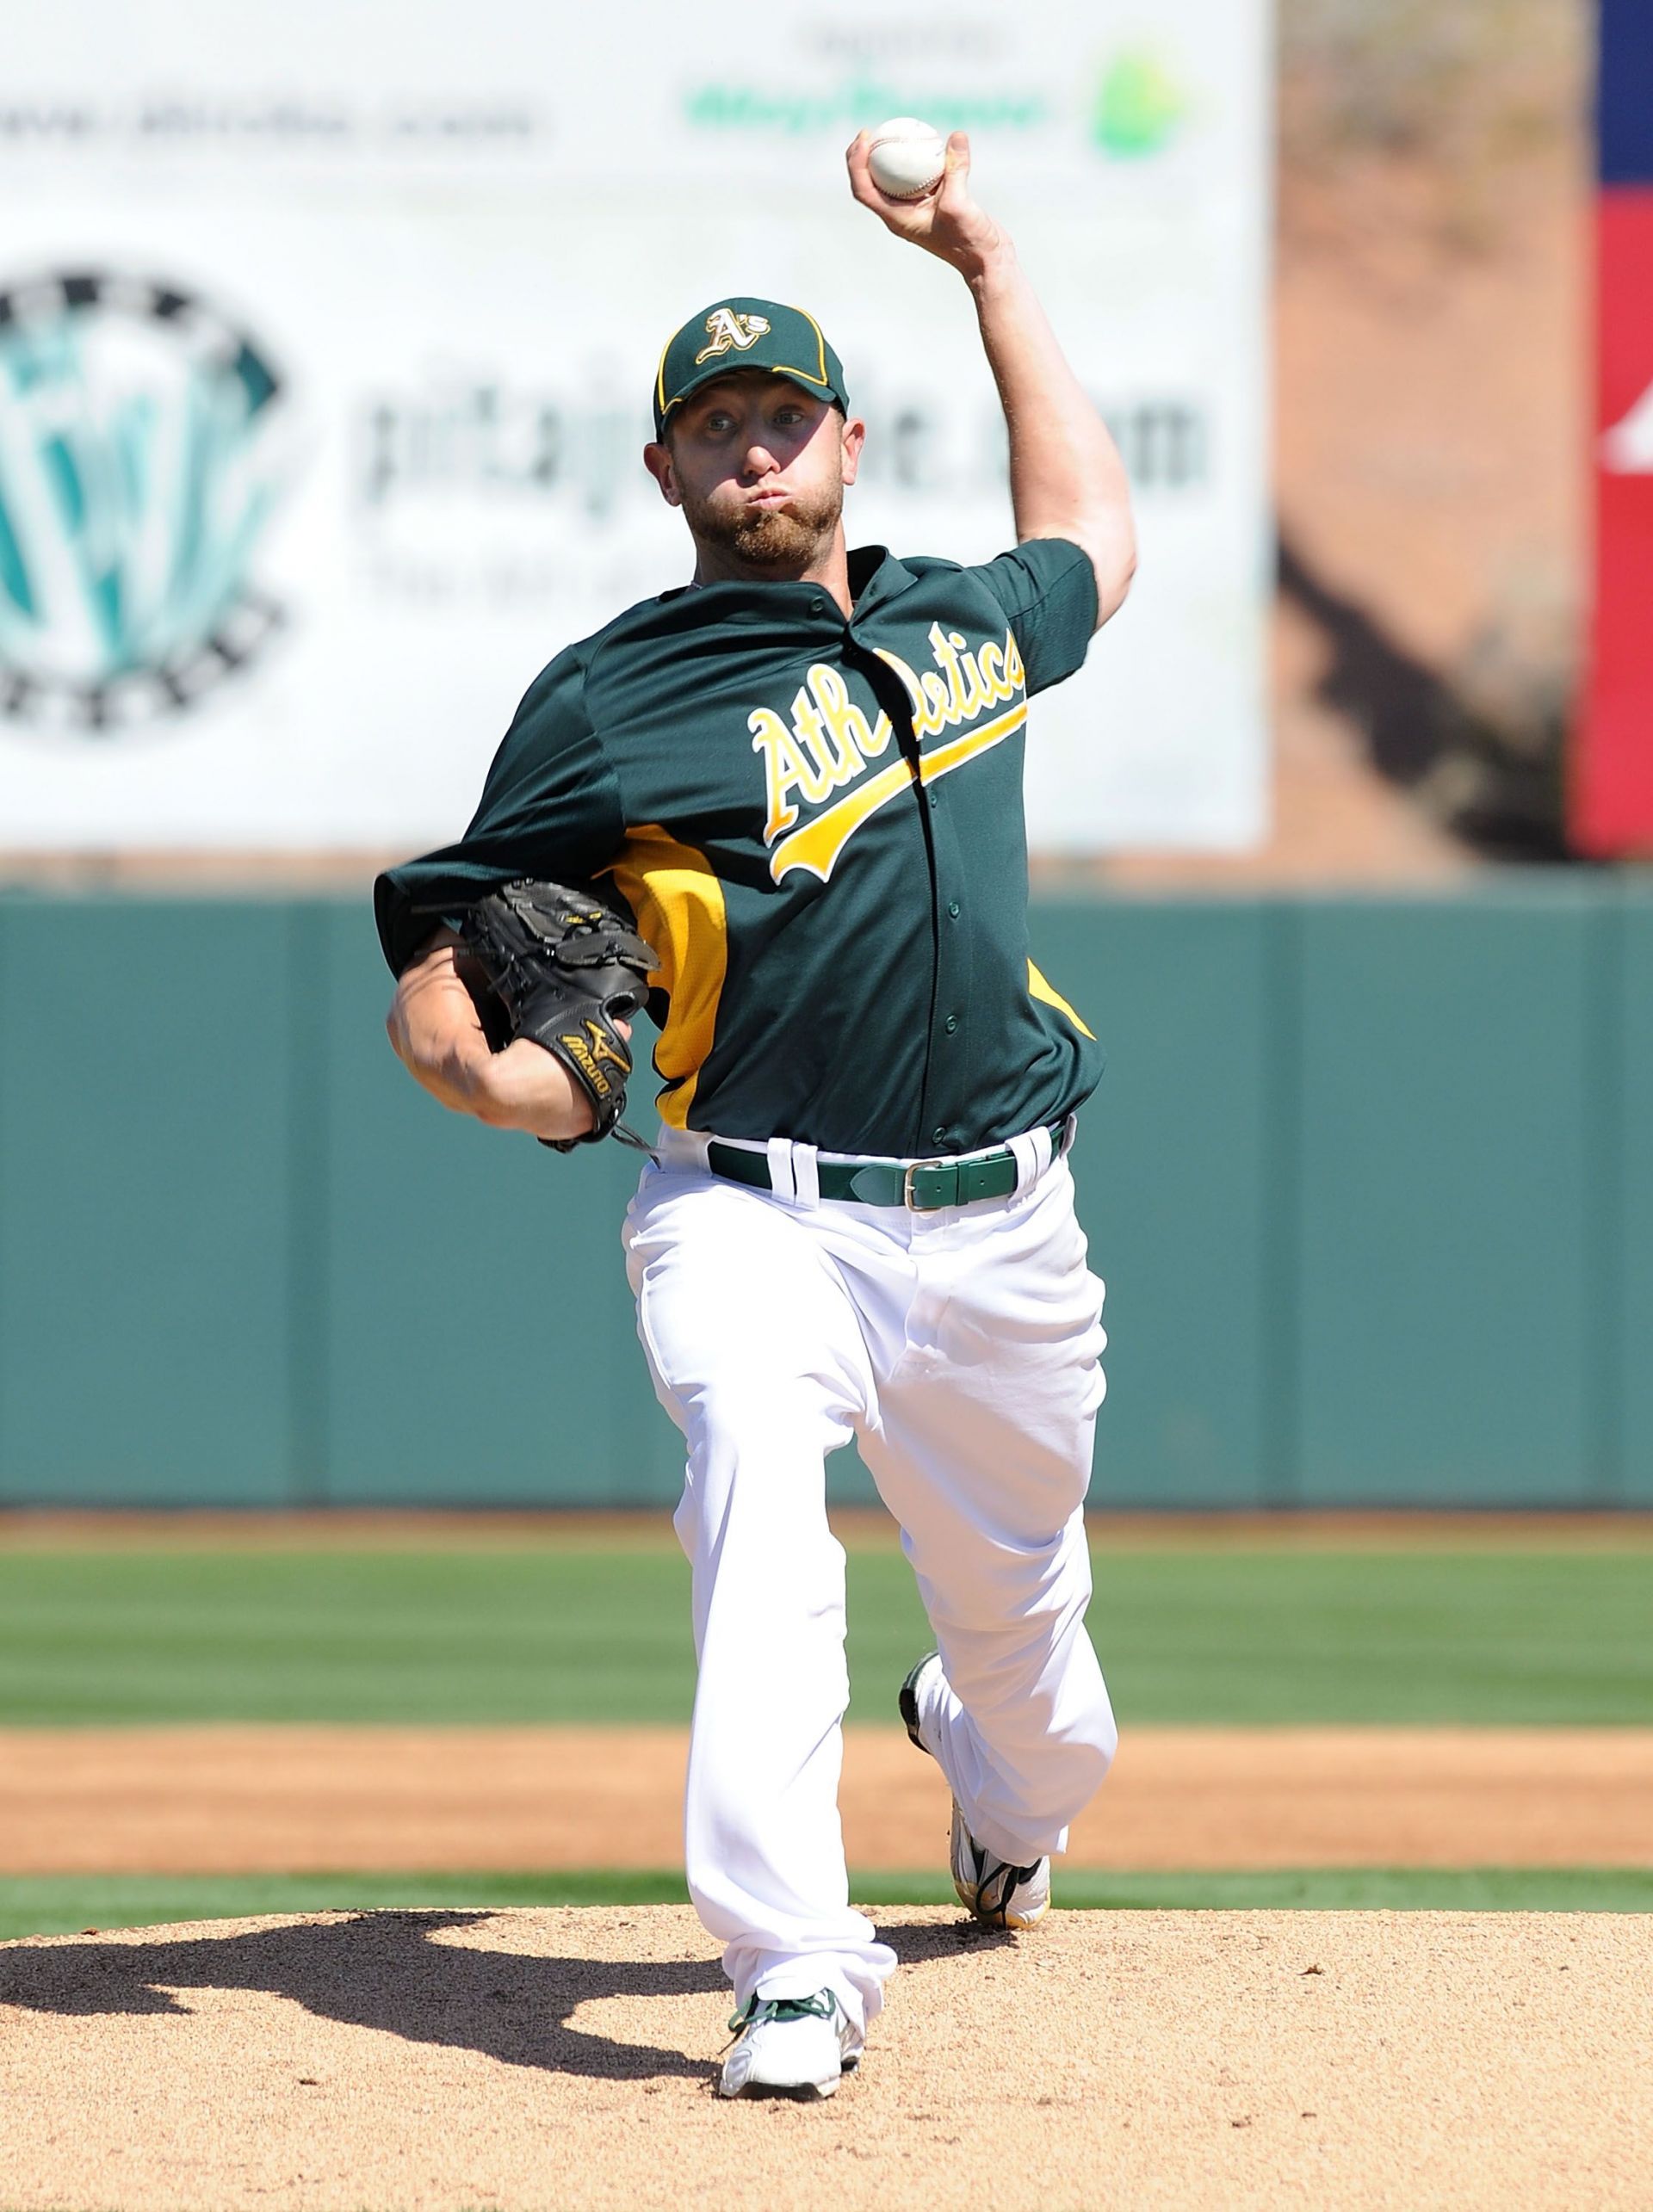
column 817, row 606
column 938, row 1135
column 950, row 1023
column 935, row 798
column 952, row 909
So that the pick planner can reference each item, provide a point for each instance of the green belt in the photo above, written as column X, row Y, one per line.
column 924, row 1186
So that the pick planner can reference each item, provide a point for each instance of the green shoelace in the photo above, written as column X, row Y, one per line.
column 821, row 2006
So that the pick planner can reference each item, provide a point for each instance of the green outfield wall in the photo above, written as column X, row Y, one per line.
column 1370, row 1180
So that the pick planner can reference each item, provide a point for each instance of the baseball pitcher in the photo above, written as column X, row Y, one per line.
column 779, row 809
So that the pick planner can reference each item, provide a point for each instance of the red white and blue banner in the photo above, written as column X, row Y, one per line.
column 1613, row 767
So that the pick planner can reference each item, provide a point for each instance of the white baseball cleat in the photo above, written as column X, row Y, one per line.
column 792, row 2047
column 997, row 1893
column 1003, row 1895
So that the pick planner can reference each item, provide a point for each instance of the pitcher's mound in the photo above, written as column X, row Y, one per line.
column 386, row 2061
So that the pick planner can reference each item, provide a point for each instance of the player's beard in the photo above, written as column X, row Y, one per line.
column 787, row 537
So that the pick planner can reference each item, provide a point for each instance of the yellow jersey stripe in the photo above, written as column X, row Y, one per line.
column 818, row 844
column 680, row 911
column 954, row 754
column 1052, row 997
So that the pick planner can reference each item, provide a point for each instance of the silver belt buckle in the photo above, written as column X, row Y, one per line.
column 916, row 1167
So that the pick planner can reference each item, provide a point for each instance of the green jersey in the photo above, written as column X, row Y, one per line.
column 818, row 825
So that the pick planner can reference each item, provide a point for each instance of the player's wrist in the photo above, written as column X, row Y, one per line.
column 480, row 1082
column 990, row 269
column 526, row 1087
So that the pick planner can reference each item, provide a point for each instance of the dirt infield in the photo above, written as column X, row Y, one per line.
column 226, row 1799
column 450, row 2061
column 28, row 1529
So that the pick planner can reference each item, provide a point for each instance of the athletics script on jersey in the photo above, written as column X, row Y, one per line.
column 830, row 743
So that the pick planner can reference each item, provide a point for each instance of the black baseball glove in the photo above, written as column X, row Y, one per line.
column 565, row 970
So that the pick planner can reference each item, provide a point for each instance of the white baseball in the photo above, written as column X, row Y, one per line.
column 906, row 159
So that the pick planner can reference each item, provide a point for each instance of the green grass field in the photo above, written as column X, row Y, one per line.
column 51, row 1905
column 1186, row 1634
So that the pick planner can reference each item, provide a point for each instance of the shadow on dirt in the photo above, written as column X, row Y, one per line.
column 381, row 1970
column 916, row 1942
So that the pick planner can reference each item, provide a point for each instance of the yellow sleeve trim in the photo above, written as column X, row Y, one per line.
column 1052, row 997
column 680, row 911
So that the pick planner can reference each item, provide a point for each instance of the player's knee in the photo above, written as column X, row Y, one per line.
column 756, row 1471
column 760, row 1438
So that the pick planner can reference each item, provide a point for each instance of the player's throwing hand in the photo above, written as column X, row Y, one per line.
column 946, row 222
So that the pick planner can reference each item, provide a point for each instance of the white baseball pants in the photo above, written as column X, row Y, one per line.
column 961, row 1348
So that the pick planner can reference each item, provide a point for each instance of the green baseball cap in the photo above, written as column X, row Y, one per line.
column 746, row 334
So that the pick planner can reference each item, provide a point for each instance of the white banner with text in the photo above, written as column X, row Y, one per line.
column 325, row 351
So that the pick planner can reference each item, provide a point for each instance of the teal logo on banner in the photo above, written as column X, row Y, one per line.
column 138, row 470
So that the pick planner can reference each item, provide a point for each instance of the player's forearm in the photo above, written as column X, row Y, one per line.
column 437, row 1036
column 1066, row 477
column 434, row 1027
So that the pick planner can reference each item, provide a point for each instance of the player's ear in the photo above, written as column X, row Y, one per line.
column 657, row 460
column 853, row 437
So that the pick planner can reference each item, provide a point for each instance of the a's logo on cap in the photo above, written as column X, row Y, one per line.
column 731, row 331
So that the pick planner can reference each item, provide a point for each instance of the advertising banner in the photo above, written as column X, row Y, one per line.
column 325, row 357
